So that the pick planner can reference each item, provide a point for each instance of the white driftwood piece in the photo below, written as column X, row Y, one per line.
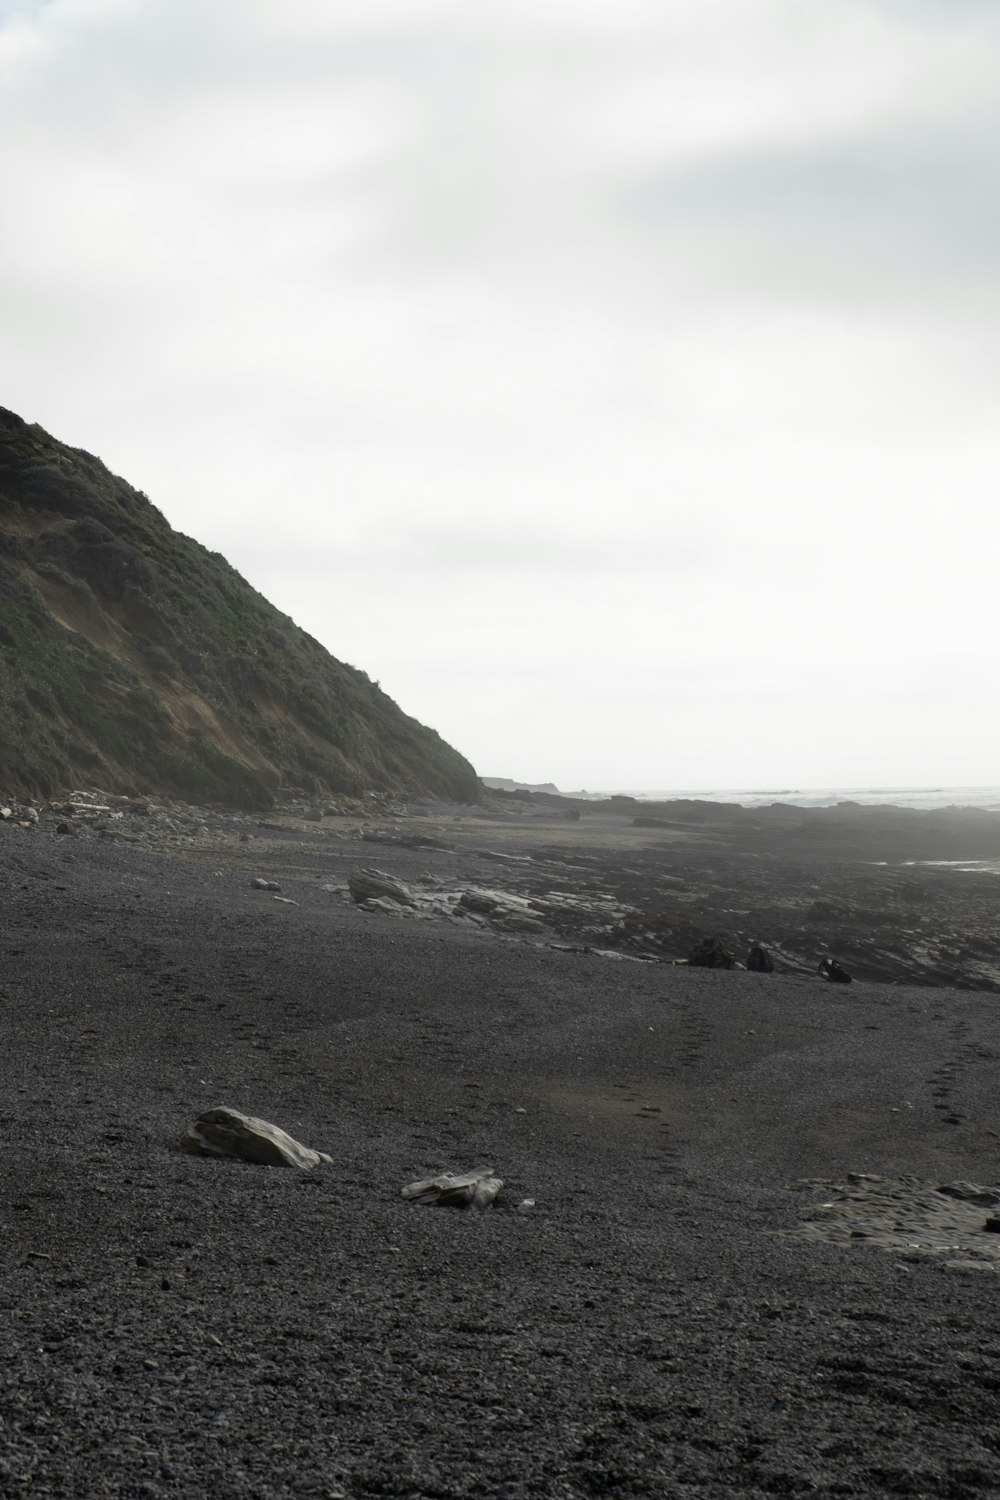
column 475, row 1189
column 225, row 1132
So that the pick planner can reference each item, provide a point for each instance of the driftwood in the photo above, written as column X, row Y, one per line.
column 225, row 1132
column 475, row 1189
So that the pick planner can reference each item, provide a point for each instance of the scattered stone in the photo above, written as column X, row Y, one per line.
column 370, row 885
column 264, row 885
column 833, row 971
column 226, row 1132
column 475, row 1189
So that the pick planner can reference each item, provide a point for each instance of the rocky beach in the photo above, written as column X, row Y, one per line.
column 746, row 1242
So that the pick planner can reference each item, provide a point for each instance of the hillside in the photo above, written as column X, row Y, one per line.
column 133, row 658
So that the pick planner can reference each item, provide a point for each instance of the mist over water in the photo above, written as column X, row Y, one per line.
column 985, row 798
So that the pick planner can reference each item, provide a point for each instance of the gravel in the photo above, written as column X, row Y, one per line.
column 173, row 1326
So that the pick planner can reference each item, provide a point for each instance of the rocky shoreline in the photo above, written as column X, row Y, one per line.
column 757, row 1260
column 895, row 896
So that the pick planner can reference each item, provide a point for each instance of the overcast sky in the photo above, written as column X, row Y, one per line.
column 617, row 381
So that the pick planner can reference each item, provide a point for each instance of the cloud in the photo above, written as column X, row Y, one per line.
column 639, row 346
column 865, row 224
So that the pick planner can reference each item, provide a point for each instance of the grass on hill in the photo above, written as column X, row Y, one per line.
column 131, row 656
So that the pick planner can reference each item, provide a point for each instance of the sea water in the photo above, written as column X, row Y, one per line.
column 985, row 798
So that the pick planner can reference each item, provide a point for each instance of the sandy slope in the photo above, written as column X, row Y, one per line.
column 173, row 1326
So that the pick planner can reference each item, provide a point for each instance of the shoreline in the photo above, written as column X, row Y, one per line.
column 879, row 889
column 672, row 1317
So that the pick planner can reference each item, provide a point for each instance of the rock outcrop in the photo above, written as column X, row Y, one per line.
column 375, row 885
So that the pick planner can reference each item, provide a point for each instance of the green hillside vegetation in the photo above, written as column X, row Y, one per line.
column 134, row 659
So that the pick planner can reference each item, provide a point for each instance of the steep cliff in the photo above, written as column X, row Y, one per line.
column 132, row 657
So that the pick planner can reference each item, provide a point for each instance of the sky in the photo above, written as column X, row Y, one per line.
column 615, row 381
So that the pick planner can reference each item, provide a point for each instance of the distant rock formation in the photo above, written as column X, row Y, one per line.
column 505, row 784
column 134, row 659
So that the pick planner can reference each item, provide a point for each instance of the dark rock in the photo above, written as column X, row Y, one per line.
column 483, row 902
column 710, row 954
column 759, row 961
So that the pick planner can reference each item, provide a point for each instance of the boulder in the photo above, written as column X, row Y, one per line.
column 226, row 1132
column 759, row 961
column 482, row 902
column 475, row 1189
column 710, row 954
column 367, row 885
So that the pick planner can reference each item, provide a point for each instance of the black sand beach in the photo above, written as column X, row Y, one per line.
column 673, row 1317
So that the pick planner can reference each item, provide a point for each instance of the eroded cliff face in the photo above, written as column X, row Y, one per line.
column 132, row 657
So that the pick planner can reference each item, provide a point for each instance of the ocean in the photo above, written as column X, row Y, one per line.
column 986, row 798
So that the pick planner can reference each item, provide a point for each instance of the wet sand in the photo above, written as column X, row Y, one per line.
column 670, row 1319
